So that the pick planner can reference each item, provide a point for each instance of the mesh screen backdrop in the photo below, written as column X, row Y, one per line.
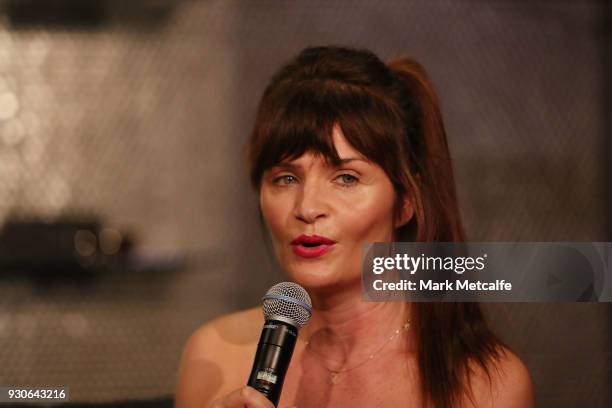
column 140, row 117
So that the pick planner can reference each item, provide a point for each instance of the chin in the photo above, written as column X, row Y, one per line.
column 312, row 277
column 323, row 281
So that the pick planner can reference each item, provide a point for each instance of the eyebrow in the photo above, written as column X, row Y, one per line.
column 289, row 165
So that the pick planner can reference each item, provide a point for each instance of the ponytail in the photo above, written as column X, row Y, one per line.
column 438, row 214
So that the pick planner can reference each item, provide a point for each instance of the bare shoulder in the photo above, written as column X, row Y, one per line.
column 508, row 386
column 234, row 329
column 213, row 359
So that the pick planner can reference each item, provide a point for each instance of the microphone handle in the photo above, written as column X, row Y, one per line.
column 274, row 352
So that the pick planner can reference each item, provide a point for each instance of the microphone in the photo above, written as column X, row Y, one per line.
column 287, row 308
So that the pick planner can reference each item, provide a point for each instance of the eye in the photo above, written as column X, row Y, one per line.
column 348, row 180
column 285, row 179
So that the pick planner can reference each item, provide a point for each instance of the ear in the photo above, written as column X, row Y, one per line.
column 406, row 214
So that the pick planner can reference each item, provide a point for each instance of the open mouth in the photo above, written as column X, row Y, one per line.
column 311, row 249
column 310, row 245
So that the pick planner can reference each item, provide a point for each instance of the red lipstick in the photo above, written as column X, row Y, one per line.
column 311, row 246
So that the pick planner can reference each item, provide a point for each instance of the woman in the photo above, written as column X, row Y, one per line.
column 345, row 150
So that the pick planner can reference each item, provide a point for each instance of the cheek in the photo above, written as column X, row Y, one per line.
column 370, row 218
column 274, row 212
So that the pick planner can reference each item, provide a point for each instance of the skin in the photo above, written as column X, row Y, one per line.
column 350, row 204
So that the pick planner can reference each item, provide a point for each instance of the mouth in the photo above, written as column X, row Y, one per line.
column 311, row 246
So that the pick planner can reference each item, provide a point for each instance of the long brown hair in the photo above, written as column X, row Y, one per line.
column 390, row 114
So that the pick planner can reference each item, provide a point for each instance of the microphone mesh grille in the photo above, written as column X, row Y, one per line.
column 288, row 300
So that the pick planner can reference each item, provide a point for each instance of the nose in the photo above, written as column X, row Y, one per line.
column 310, row 204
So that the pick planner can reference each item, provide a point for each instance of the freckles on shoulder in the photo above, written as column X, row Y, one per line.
column 509, row 385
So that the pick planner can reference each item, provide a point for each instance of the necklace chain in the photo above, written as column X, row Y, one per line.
column 334, row 374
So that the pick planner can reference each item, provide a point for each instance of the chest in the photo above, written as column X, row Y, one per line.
column 384, row 382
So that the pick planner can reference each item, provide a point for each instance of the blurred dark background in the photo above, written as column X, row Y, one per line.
column 125, row 213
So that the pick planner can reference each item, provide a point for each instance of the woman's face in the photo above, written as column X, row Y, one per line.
column 348, row 205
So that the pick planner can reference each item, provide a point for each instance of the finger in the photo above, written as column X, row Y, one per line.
column 244, row 397
column 255, row 398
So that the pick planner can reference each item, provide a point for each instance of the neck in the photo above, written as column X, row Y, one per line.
column 342, row 321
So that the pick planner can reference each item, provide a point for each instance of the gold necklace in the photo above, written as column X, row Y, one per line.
column 334, row 374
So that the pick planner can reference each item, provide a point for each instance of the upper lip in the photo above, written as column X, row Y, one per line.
column 312, row 239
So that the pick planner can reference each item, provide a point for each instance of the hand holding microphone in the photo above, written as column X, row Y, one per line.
column 243, row 397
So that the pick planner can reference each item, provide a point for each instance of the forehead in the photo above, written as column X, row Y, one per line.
column 343, row 148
